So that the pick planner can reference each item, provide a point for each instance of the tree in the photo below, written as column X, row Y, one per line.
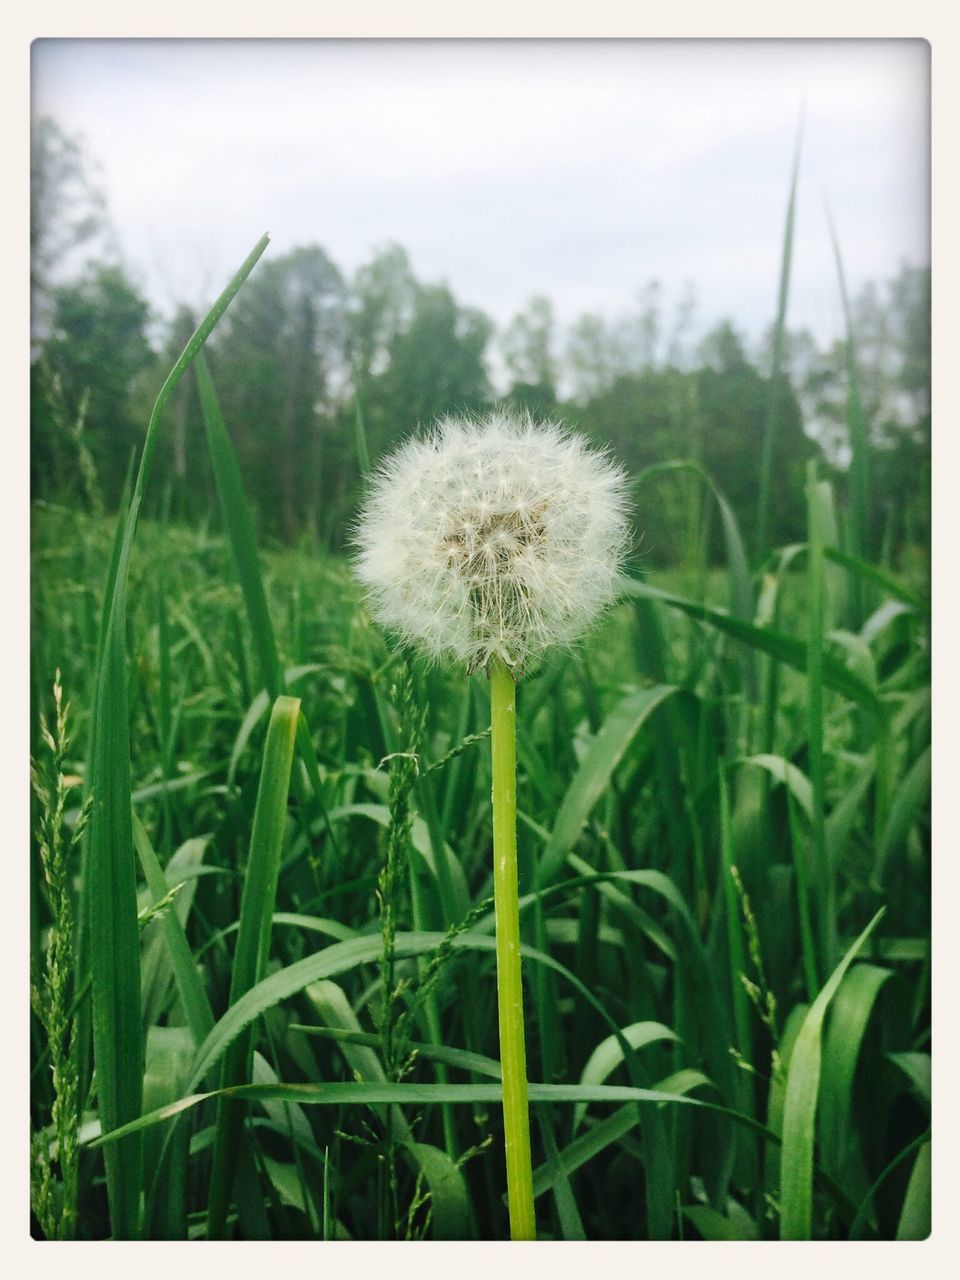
column 66, row 212
column 87, row 373
column 527, row 344
column 384, row 293
column 435, row 365
column 281, row 362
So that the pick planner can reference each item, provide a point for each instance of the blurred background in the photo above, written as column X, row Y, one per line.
column 590, row 229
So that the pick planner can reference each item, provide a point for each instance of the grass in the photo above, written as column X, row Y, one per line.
column 282, row 924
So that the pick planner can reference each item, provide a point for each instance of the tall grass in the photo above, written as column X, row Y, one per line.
column 287, row 892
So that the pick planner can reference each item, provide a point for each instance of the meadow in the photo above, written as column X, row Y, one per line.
column 262, row 933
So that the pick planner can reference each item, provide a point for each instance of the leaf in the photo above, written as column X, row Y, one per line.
column 448, row 1191
column 795, row 779
column 784, row 648
column 363, row 1093
column 608, row 1055
column 916, row 1067
column 911, row 796
column 239, row 525
column 603, row 755
column 110, row 880
column 713, row 1225
column 800, row 1105
column 849, row 1017
column 914, row 1221
column 253, row 942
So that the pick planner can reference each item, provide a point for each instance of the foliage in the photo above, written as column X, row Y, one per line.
column 723, row 802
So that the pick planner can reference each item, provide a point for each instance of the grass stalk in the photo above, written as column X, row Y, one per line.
column 516, row 1117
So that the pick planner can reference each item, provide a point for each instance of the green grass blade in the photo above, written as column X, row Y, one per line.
column 773, row 397
column 608, row 1055
column 240, row 532
column 592, row 778
column 858, row 541
column 111, row 869
column 339, row 958
column 114, row 929
column 849, row 1017
column 387, row 1093
column 785, row 648
column 571, row 1224
column 800, row 1106
column 253, row 942
column 910, row 799
column 914, row 1221
column 825, row 872
column 360, row 439
column 193, row 997
column 741, row 588
column 793, row 778
column 879, row 578
column 450, row 1200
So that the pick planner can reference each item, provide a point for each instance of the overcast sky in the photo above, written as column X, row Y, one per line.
column 576, row 169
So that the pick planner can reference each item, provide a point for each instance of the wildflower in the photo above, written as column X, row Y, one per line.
column 492, row 537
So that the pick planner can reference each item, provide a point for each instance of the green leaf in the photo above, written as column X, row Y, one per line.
column 914, row 1221
column 849, row 1017
column 603, row 755
column 795, row 779
column 253, row 942
column 916, row 1067
column 786, row 649
column 240, row 532
column 911, row 797
column 713, row 1225
column 448, row 1191
column 110, row 881
column 800, row 1106
column 364, row 1093
column 608, row 1055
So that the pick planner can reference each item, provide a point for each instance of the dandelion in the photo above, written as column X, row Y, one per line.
column 487, row 542
column 495, row 537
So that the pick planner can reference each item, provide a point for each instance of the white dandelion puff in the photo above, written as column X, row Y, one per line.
column 495, row 536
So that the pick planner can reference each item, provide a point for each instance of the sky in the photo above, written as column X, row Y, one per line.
column 579, row 169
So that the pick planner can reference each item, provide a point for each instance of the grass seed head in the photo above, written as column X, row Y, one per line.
column 491, row 536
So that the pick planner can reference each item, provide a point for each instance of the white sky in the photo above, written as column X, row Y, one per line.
column 577, row 169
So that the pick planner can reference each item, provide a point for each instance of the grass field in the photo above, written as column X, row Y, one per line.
column 263, row 946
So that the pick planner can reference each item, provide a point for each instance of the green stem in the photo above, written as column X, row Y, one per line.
column 516, row 1117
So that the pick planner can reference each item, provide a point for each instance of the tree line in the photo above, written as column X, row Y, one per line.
column 305, row 350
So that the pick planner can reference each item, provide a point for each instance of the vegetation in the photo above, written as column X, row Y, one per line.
column 261, row 920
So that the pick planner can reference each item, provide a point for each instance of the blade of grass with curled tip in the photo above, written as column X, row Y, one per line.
column 253, row 942
column 110, row 880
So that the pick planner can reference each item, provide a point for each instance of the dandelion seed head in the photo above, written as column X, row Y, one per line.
column 491, row 536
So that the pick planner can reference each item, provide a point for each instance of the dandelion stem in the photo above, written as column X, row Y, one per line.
column 516, row 1117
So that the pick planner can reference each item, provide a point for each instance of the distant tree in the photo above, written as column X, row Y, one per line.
column 527, row 344
column 383, row 298
column 715, row 416
column 891, row 327
column 86, row 376
column 435, row 365
column 281, row 364
column 67, row 211
column 594, row 360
